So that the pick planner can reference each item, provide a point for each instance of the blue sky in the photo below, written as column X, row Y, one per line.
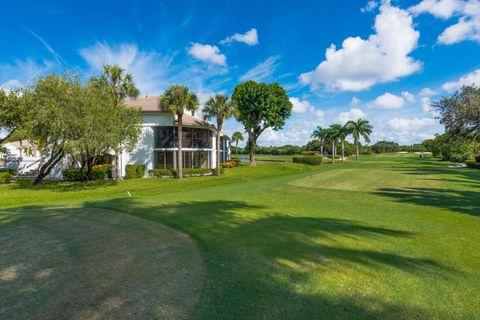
column 380, row 60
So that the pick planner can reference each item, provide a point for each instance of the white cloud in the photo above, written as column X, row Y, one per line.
column 352, row 114
column 9, row 85
column 408, row 96
column 389, row 101
column 149, row 69
column 370, row 6
column 301, row 106
column 24, row 72
column 409, row 124
column 262, row 71
column 472, row 78
column 250, row 37
column 427, row 92
column 467, row 26
column 207, row 53
column 360, row 64
column 355, row 102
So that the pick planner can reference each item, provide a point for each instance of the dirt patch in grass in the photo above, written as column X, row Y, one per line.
column 85, row 263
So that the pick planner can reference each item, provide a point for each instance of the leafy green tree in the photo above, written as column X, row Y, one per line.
column 385, row 146
column 319, row 134
column 334, row 135
column 260, row 106
column 344, row 132
column 236, row 137
column 104, row 126
column 177, row 99
column 220, row 108
column 120, row 86
column 360, row 128
column 13, row 113
column 52, row 119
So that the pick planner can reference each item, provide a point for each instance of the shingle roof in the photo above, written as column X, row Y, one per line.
column 152, row 104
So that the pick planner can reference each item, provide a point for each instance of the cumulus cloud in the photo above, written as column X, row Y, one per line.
column 262, row 71
column 408, row 96
column 389, row 101
column 370, row 6
column 355, row 101
column 363, row 63
column 467, row 26
column 409, row 124
column 352, row 114
column 250, row 38
column 301, row 106
column 24, row 72
column 472, row 78
column 207, row 53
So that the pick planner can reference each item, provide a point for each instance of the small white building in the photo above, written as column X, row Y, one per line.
column 156, row 147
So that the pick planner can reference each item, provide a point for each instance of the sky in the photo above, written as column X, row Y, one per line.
column 384, row 61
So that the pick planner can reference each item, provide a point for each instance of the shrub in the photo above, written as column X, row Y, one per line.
column 194, row 172
column 309, row 153
column 12, row 171
column 472, row 164
column 311, row 160
column 134, row 171
column 477, row 159
column 459, row 156
column 5, row 177
column 230, row 164
column 156, row 173
column 98, row 173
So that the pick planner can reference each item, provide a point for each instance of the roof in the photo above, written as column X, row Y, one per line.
column 146, row 103
column 152, row 104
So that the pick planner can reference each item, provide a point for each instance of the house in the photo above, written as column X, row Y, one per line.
column 22, row 155
column 156, row 147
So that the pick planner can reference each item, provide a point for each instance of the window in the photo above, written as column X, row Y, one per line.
column 163, row 159
column 164, row 137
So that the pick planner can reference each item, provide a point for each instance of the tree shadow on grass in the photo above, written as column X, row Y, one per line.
column 63, row 186
column 257, row 263
column 463, row 201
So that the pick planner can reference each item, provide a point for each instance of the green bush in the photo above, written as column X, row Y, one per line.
column 13, row 172
column 311, row 160
column 477, row 159
column 156, row 173
column 194, row 171
column 77, row 175
column 472, row 164
column 5, row 177
column 134, row 171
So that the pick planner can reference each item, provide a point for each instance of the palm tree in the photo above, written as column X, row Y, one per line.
column 177, row 99
column 219, row 107
column 319, row 134
column 121, row 86
column 360, row 128
column 237, row 136
column 335, row 133
column 344, row 132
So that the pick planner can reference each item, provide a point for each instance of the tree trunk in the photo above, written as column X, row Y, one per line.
column 117, row 166
column 219, row 128
column 180, row 153
column 251, row 139
column 48, row 166
column 356, row 150
column 333, row 152
column 343, row 150
column 236, row 149
column 321, row 149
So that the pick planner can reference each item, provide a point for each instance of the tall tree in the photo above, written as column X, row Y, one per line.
column 236, row 137
column 335, row 132
column 104, row 126
column 177, row 99
column 53, row 120
column 319, row 134
column 260, row 106
column 360, row 128
column 121, row 86
column 220, row 108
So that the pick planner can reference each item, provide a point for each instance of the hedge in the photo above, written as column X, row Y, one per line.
column 472, row 164
column 77, row 175
column 5, row 177
column 311, row 160
column 12, row 171
column 156, row 173
column 193, row 171
column 230, row 164
column 134, row 171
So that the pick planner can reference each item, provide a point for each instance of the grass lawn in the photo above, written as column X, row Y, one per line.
column 266, row 156
column 391, row 237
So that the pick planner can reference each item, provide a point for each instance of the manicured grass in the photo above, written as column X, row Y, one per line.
column 390, row 237
column 267, row 156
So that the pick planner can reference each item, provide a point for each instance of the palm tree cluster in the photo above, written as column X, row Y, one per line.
column 337, row 134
